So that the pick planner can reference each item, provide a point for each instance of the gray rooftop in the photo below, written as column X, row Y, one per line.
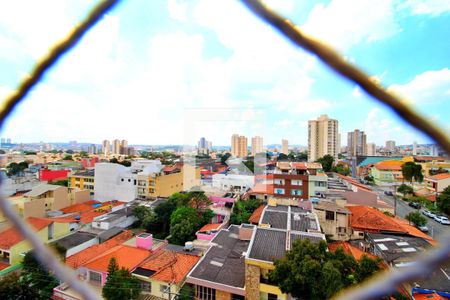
column 268, row 244
column 276, row 219
column 289, row 218
column 41, row 189
column 224, row 262
column 75, row 239
column 85, row 173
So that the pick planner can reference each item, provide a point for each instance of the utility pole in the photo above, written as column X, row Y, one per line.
column 395, row 199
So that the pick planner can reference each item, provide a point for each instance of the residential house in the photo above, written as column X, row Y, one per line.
column 437, row 183
column 387, row 172
column 233, row 182
column 334, row 220
column 208, row 231
column 76, row 242
column 163, row 274
column 56, row 196
column 13, row 246
column 83, row 180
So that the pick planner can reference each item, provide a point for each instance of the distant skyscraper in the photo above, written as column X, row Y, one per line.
column 106, row 147
column 257, row 145
column 92, row 149
column 124, row 147
column 390, row 146
column 371, row 149
column 204, row 146
column 323, row 138
column 239, row 145
column 356, row 143
column 284, row 147
column 116, row 147
column 414, row 150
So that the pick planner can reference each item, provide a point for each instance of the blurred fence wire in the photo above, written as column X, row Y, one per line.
column 374, row 289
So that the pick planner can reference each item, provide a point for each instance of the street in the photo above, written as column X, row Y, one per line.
column 435, row 228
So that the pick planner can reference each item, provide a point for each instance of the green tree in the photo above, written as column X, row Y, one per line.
column 327, row 162
column 186, row 293
column 198, row 199
column 412, row 171
column 416, row 218
column 141, row 212
column 38, row 277
column 443, row 200
column 184, row 222
column 309, row 271
column 16, row 168
column 224, row 158
column 242, row 210
column 341, row 169
column 84, row 154
column 250, row 164
column 405, row 189
column 12, row 287
column 282, row 156
column 120, row 284
column 68, row 157
column 63, row 182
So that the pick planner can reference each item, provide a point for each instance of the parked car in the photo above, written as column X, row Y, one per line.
column 428, row 213
column 443, row 220
column 423, row 228
column 415, row 205
column 314, row 200
column 388, row 193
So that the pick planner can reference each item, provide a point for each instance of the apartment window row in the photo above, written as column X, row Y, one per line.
column 205, row 293
column 296, row 192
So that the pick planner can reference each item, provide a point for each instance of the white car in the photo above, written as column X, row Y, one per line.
column 443, row 220
column 428, row 213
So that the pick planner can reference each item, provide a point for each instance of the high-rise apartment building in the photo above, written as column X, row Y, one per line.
column 284, row 147
column 106, row 147
column 239, row 145
column 371, row 149
column 414, row 149
column 356, row 143
column 323, row 138
column 204, row 146
column 124, row 147
column 257, row 145
column 116, row 147
column 390, row 146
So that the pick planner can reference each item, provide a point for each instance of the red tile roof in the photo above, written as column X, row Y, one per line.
column 209, row 227
column 428, row 296
column 440, row 176
column 299, row 166
column 170, row 266
column 90, row 253
column 261, row 188
column 79, row 207
column 126, row 256
column 256, row 215
column 413, row 230
column 4, row 265
column 12, row 236
column 391, row 165
column 349, row 249
column 369, row 219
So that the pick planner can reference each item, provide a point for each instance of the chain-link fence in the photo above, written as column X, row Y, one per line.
column 374, row 289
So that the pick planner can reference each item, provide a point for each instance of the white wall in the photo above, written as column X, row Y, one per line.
column 114, row 182
column 225, row 182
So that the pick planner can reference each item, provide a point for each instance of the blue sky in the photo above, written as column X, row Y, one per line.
column 168, row 72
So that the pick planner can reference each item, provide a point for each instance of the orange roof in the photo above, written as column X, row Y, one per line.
column 261, row 188
column 126, row 256
column 389, row 165
column 79, row 207
column 428, row 296
column 369, row 219
column 256, row 215
column 90, row 253
column 413, row 230
column 299, row 165
column 4, row 265
column 88, row 217
column 170, row 266
column 209, row 227
column 350, row 249
column 440, row 176
column 12, row 236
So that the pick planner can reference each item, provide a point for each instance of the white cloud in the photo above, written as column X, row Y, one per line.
column 427, row 87
column 344, row 23
column 429, row 7
column 177, row 10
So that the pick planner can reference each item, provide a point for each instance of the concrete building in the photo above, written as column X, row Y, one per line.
column 414, row 149
column 257, row 145
column 437, row 183
column 116, row 147
column 124, row 147
column 284, row 146
column 371, row 149
column 334, row 220
column 390, row 146
column 83, row 180
column 356, row 143
column 233, row 182
column 92, row 149
column 106, row 147
column 323, row 138
column 239, row 145
column 204, row 147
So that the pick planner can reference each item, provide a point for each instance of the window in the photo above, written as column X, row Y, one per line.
column 163, row 288
column 272, row 296
column 279, row 181
column 204, row 293
column 146, row 286
column 95, row 277
column 329, row 215
column 296, row 192
column 279, row 191
column 320, row 183
column 296, row 182
column 342, row 229
column 237, row 297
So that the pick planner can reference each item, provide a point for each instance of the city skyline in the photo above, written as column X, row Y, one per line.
column 273, row 86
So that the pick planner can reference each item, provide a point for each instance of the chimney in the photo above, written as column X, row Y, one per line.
column 144, row 241
column 246, row 232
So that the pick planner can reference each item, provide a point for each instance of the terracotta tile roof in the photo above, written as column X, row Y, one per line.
column 88, row 217
column 261, row 188
column 209, row 227
column 63, row 219
column 126, row 256
column 11, row 236
column 369, row 219
column 428, row 296
column 299, row 166
column 4, row 265
column 256, row 215
column 90, row 253
column 389, row 165
column 349, row 249
column 411, row 230
column 170, row 266
column 79, row 207
column 440, row 176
